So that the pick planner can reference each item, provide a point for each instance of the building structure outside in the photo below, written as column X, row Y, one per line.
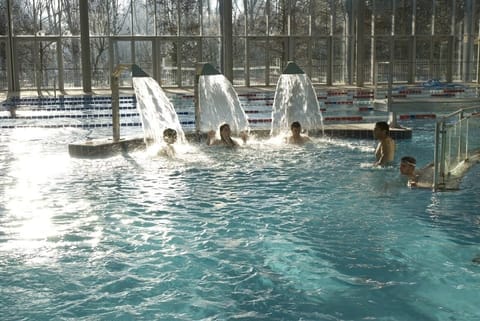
column 76, row 44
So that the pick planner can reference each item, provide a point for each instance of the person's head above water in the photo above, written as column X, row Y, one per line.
column 381, row 129
column 407, row 165
column 170, row 135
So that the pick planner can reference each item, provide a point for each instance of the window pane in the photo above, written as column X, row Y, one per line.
column 239, row 61
column 143, row 18
column 189, row 17
column 319, row 60
column 210, row 19
column 72, row 63
column 3, row 65
column 25, row 54
column 167, row 19
column 70, row 15
column 99, row 61
column 168, row 54
column 321, row 17
column 189, row 60
column 257, row 62
column 121, row 18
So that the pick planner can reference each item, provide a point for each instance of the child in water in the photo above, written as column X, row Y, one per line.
column 170, row 137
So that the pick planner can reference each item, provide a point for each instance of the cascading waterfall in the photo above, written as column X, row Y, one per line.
column 218, row 104
column 295, row 100
column 156, row 111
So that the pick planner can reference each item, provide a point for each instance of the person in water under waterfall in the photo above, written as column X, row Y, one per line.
column 225, row 137
column 170, row 137
column 385, row 151
column 296, row 137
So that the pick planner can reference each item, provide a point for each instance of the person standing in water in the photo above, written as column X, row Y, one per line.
column 385, row 151
column 225, row 137
column 296, row 137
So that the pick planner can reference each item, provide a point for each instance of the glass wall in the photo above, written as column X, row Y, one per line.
column 331, row 40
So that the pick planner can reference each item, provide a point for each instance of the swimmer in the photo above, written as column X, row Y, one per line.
column 296, row 137
column 385, row 151
column 170, row 137
column 421, row 178
column 225, row 137
column 407, row 168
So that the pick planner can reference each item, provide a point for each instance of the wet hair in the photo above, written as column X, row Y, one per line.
column 409, row 160
column 170, row 132
column 227, row 140
column 223, row 126
column 295, row 124
column 383, row 125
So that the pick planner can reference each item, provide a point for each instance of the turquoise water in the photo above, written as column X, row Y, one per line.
column 267, row 232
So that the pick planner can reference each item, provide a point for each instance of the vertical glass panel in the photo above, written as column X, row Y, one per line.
column 122, row 52
column 25, row 54
column 189, row 17
column 401, row 57
column 403, row 17
column 121, row 17
column 211, row 18
column 383, row 17
column 256, row 17
column 211, row 51
column 167, row 18
column 72, row 63
column 189, row 58
column 319, row 60
column 100, row 19
column 3, row 17
column 367, row 66
column 440, row 58
column 277, row 58
column 423, row 23
column 99, row 61
column 301, row 54
column 321, row 17
column 70, row 15
column 257, row 51
column 47, row 64
column 300, row 18
column 339, row 60
column 423, row 59
column 3, row 65
column 339, row 17
column 143, row 55
column 143, row 17
column 168, row 55
column 23, row 13
column 278, row 19
column 238, row 17
column 239, row 61
column 443, row 17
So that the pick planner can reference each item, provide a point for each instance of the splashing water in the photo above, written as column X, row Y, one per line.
column 156, row 111
column 219, row 104
column 295, row 100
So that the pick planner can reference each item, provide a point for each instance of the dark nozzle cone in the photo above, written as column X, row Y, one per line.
column 292, row 69
column 138, row 72
column 207, row 70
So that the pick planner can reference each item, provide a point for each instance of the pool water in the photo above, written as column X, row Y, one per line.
column 265, row 232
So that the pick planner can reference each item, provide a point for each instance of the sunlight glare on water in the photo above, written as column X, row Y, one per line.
column 264, row 232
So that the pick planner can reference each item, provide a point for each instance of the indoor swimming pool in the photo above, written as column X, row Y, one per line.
column 265, row 232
